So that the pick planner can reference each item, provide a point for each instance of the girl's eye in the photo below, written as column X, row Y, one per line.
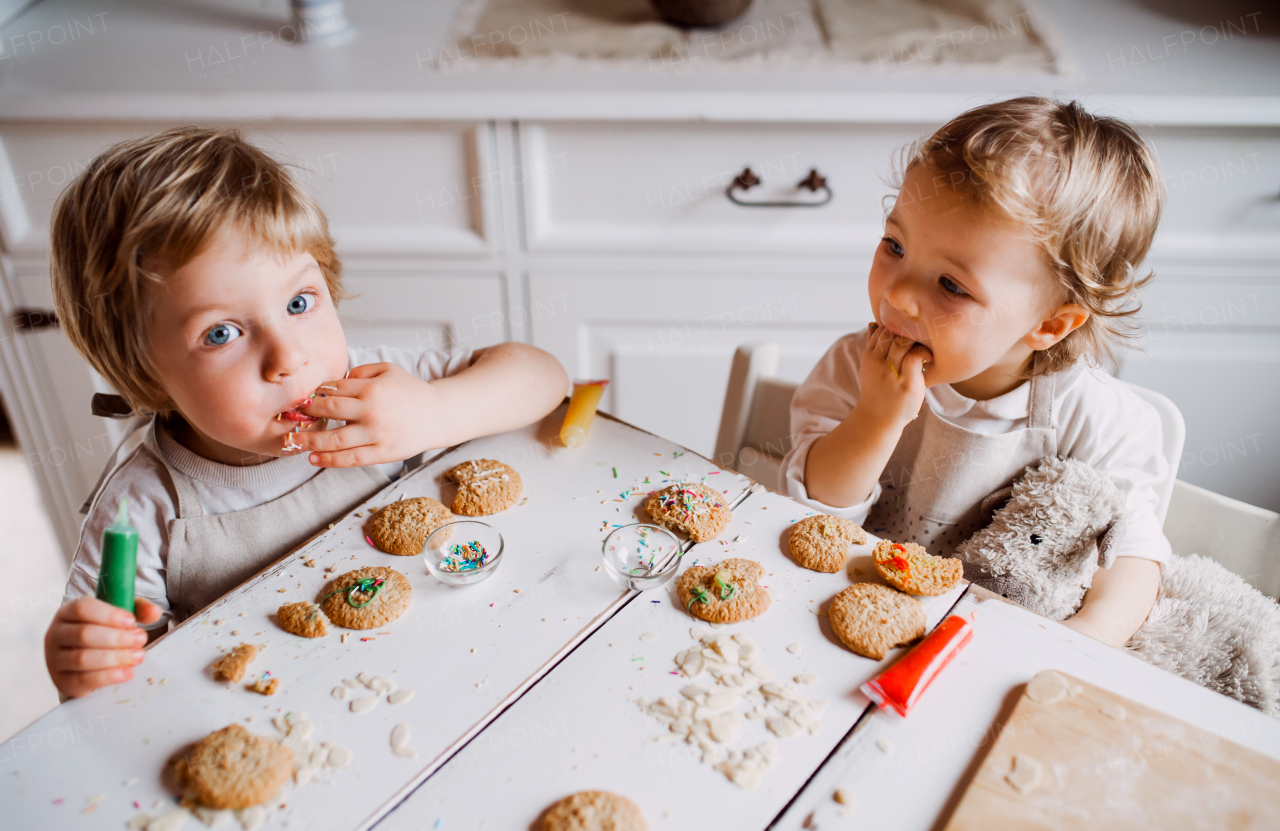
column 221, row 334
column 302, row 303
column 894, row 248
column 950, row 286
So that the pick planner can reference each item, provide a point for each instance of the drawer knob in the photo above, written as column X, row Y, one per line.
column 30, row 320
column 747, row 179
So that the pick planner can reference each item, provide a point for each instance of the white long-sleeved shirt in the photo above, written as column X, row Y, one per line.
column 1098, row 419
column 221, row 488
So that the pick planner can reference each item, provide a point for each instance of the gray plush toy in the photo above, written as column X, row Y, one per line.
column 1062, row 520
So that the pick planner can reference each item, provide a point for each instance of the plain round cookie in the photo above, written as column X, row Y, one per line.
column 690, row 508
column 593, row 811
column 871, row 619
column 402, row 527
column 910, row 568
column 484, row 487
column 390, row 600
column 232, row 768
column 821, row 543
column 304, row 618
column 750, row 600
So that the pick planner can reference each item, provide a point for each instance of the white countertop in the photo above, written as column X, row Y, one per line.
column 185, row 60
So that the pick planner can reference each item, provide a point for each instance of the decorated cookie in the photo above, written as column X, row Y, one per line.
column 821, row 543
column 910, row 568
column 230, row 667
column 727, row 592
column 484, row 487
column 305, row 619
column 366, row 598
column 593, row 811
column 232, row 768
column 871, row 619
column 402, row 527
column 691, row 508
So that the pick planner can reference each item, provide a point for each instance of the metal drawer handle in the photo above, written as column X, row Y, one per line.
column 747, row 179
column 31, row 320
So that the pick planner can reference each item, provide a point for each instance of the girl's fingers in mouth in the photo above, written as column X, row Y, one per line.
column 339, row 408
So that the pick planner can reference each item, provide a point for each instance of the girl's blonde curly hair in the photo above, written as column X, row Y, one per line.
column 1085, row 187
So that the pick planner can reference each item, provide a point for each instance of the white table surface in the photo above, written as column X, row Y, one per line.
column 922, row 779
column 581, row 728
column 89, row 747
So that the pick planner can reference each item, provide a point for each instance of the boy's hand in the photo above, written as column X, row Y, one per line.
column 892, row 378
column 92, row 644
column 389, row 414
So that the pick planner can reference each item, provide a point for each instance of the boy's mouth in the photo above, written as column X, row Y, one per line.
column 297, row 417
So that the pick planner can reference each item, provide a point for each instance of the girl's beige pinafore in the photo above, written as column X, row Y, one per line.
column 209, row 555
column 938, row 475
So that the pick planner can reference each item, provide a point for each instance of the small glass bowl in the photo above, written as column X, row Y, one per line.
column 641, row 556
column 463, row 552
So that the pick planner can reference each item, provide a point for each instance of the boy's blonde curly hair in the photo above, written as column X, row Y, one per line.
column 1087, row 189
column 154, row 203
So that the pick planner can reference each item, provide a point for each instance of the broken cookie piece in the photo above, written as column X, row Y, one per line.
column 231, row 667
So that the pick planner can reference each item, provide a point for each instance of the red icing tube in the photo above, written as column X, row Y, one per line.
column 899, row 687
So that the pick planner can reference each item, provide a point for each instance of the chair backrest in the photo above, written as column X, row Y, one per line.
column 1242, row 537
column 755, row 424
column 1174, row 434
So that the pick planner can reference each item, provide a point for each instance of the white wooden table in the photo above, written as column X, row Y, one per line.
column 546, row 704
column 465, row 651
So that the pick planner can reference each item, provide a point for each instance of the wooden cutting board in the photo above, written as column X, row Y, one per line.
column 1087, row 759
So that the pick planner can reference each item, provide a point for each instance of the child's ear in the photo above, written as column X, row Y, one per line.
column 1066, row 319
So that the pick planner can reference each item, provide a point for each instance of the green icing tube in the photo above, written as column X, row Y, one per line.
column 119, row 561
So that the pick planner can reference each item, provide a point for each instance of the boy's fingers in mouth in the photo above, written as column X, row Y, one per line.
column 341, row 408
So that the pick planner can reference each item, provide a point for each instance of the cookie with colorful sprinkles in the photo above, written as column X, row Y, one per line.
column 821, row 543
column 691, row 508
column 402, row 527
column 366, row 598
column 593, row 811
column 232, row 768
column 727, row 592
column 909, row 567
column 484, row 487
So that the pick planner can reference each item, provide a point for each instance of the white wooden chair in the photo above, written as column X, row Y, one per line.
column 755, row 428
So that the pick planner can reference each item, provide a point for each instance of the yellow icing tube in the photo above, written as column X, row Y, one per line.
column 582, row 409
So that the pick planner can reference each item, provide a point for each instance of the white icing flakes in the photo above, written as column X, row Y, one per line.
column 796, row 648
column 806, row 678
column 364, row 703
column 400, row 696
column 341, row 692
column 649, row 636
column 400, row 742
column 885, row 746
column 710, row 719
column 1025, row 774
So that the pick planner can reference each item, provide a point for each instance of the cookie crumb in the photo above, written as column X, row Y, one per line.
column 266, row 685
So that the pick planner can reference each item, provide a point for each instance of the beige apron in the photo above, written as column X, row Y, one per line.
column 938, row 475
column 209, row 555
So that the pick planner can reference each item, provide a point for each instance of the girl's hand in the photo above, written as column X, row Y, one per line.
column 389, row 415
column 892, row 378
column 92, row 644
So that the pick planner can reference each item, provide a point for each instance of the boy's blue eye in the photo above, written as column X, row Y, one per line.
column 894, row 247
column 950, row 286
column 302, row 303
column 221, row 334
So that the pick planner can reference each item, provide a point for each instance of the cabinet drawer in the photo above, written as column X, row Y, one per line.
column 417, row 188
column 1223, row 192
column 417, row 310
column 668, row 348
column 661, row 187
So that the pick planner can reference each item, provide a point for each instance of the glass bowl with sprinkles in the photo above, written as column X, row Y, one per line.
column 463, row 552
column 641, row 556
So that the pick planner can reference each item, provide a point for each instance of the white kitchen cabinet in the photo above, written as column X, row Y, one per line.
column 584, row 211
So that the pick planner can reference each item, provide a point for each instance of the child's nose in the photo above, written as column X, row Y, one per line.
column 284, row 358
column 901, row 294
